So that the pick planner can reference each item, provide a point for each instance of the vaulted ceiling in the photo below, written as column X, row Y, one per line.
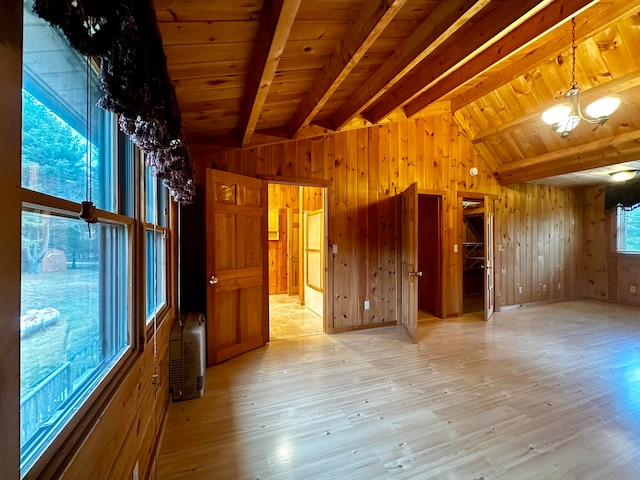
column 249, row 72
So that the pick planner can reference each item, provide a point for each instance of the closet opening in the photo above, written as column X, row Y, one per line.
column 473, row 251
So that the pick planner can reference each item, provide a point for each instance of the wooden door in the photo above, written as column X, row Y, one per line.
column 489, row 290
column 293, row 250
column 409, row 201
column 237, row 295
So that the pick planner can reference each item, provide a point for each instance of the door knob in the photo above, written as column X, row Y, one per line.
column 213, row 280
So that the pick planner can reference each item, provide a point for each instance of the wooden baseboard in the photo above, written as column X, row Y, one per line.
column 506, row 308
column 363, row 327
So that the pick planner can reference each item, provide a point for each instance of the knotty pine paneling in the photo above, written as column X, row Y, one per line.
column 278, row 273
column 605, row 274
column 130, row 426
column 368, row 168
column 286, row 199
column 537, row 244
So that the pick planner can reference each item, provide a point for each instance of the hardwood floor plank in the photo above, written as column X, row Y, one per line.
column 547, row 392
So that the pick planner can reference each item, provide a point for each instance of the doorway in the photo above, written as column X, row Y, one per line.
column 296, row 260
column 473, row 251
column 429, row 256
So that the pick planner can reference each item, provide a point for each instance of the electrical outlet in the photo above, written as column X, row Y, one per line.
column 519, row 289
column 335, row 248
column 632, row 289
column 366, row 304
column 455, row 248
column 544, row 287
column 559, row 286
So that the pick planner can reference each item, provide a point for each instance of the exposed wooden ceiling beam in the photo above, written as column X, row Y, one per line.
column 487, row 27
column 543, row 22
column 599, row 153
column 601, row 15
column 365, row 29
column 275, row 24
column 445, row 20
column 612, row 87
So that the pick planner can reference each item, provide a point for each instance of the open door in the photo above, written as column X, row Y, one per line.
column 314, row 261
column 489, row 290
column 409, row 200
column 237, row 294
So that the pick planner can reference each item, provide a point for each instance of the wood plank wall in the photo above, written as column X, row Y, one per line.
column 544, row 235
column 130, row 426
column 368, row 168
column 607, row 274
column 284, row 198
column 537, row 244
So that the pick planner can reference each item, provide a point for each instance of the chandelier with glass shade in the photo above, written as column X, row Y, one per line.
column 565, row 117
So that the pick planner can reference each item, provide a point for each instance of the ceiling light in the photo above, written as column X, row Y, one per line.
column 565, row 117
column 624, row 175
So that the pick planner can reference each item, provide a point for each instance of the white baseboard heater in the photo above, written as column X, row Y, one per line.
column 187, row 364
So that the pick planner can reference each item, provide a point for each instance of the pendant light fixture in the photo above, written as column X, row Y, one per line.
column 565, row 117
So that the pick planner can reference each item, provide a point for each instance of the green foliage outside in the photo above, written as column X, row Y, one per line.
column 53, row 154
column 53, row 162
column 632, row 231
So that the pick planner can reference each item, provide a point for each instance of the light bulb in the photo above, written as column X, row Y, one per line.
column 602, row 108
column 557, row 114
column 624, row 175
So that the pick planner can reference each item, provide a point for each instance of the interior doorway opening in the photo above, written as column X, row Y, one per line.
column 295, row 236
column 429, row 256
column 474, row 261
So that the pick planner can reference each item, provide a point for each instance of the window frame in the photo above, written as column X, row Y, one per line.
column 125, row 205
column 92, row 403
column 617, row 228
column 85, row 410
column 162, row 311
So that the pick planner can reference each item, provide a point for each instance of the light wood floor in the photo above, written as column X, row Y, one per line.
column 549, row 392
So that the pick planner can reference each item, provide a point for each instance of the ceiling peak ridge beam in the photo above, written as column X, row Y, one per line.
column 274, row 29
column 612, row 87
column 486, row 28
column 372, row 20
column 449, row 17
column 544, row 22
column 601, row 16
column 598, row 153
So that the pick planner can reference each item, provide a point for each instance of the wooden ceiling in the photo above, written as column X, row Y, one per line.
column 249, row 72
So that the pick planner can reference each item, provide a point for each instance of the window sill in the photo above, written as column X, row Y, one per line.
column 627, row 254
column 161, row 315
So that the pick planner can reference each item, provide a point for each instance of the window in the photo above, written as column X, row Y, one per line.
column 156, row 238
column 76, row 321
column 629, row 229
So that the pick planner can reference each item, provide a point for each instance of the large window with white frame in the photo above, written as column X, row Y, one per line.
column 628, row 231
column 76, row 314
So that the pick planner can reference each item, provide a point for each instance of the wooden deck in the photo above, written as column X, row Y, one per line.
column 548, row 392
